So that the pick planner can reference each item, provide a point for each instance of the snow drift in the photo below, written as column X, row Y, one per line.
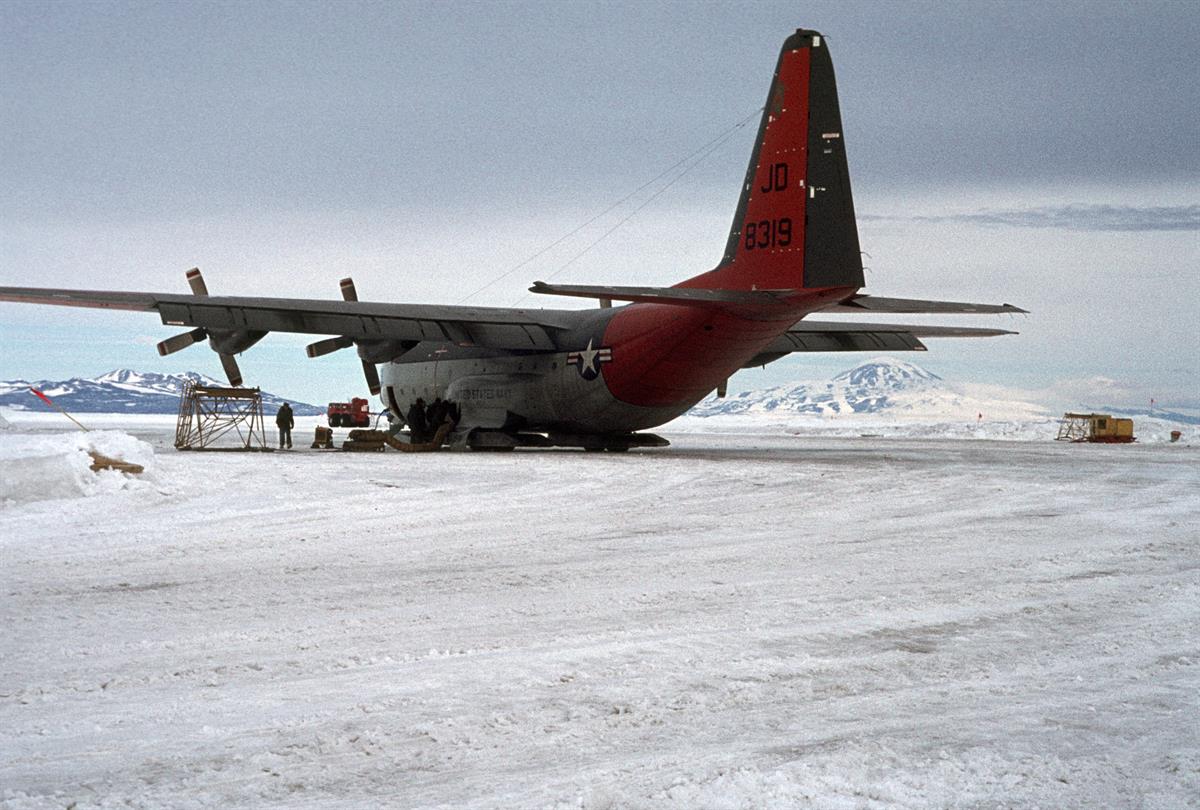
column 39, row 466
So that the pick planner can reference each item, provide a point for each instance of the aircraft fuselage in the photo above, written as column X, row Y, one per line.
column 613, row 370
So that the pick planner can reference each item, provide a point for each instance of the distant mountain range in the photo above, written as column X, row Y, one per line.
column 882, row 386
column 124, row 391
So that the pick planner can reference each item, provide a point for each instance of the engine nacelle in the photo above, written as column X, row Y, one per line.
column 233, row 341
column 382, row 351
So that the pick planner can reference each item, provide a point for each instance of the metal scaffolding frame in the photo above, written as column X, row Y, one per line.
column 208, row 414
column 1075, row 427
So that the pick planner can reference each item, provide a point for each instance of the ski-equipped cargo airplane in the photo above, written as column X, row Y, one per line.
column 593, row 378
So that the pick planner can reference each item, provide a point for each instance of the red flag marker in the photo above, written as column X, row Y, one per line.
column 49, row 402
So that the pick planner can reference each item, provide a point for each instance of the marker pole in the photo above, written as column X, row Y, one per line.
column 49, row 402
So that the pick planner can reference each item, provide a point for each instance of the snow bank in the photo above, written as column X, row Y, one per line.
column 40, row 466
column 4, row 423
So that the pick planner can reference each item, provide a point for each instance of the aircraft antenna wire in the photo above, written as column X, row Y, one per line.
column 707, row 149
column 712, row 147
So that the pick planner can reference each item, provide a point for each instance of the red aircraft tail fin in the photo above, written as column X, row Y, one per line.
column 794, row 227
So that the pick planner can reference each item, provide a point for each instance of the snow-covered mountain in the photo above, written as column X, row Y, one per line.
column 122, row 391
column 882, row 386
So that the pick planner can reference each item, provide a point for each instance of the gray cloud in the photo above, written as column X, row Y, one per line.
column 1076, row 217
column 170, row 110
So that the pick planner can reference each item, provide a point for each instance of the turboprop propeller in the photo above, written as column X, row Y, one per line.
column 369, row 351
column 225, row 342
column 228, row 342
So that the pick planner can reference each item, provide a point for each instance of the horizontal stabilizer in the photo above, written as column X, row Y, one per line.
column 916, row 330
column 859, row 304
column 859, row 340
column 686, row 296
column 835, row 336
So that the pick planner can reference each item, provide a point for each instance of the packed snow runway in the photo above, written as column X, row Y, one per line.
column 735, row 622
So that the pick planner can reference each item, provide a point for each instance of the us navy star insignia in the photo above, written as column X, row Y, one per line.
column 588, row 360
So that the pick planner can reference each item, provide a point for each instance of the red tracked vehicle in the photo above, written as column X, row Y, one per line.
column 355, row 413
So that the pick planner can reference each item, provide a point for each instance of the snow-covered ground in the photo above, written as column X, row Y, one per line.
column 739, row 621
column 1149, row 430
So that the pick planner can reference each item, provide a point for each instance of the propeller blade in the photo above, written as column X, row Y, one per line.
column 322, row 347
column 369, row 370
column 196, row 282
column 372, row 375
column 178, row 342
column 229, row 363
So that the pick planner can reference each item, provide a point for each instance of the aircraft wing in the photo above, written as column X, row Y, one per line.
column 683, row 296
column 488, row 327
column 836, row 336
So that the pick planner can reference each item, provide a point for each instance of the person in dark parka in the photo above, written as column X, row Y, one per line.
column 285, row 423
column 418, row 427
column 436, row 415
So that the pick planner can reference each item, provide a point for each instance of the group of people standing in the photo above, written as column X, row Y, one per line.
column 424, row 420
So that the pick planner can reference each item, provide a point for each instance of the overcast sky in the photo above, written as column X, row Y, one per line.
column 1042, row 154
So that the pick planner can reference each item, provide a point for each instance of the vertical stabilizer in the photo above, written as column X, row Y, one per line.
column 794, row 227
